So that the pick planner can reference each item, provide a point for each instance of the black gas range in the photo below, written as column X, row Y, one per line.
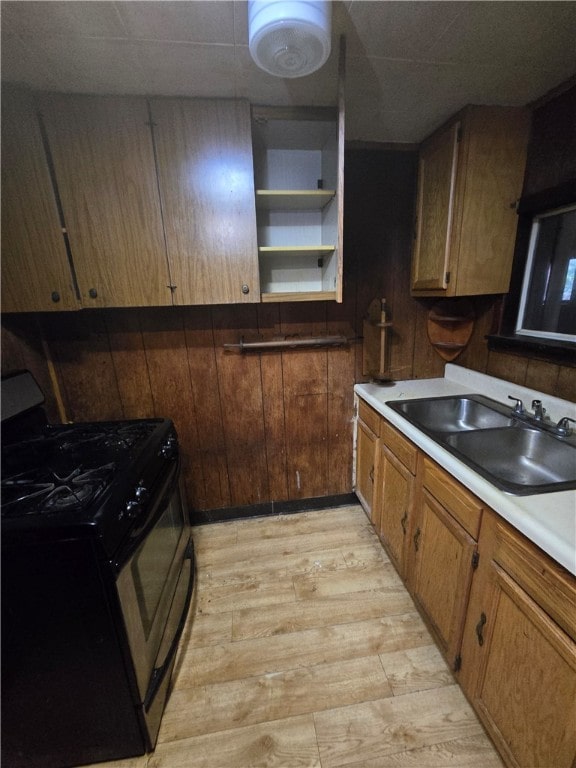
column 97, row 579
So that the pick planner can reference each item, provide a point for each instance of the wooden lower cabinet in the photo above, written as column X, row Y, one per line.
column 519, row 654
column 502, row 611
column 395, row 493
column 442, row 555
column 368, row 431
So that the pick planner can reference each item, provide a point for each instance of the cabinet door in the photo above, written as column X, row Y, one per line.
column 494, row 144
column 434, row 210
column 519, row 649
column 36, row 274
column 104, row 164
column 442, row 572
column 366, row 443
column 205, row 170
column 395, row 505
column 526, row 691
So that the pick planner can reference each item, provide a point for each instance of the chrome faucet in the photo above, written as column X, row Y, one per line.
column 539, row 411
column 519, row 407
column 540, row 419
column 562, row 427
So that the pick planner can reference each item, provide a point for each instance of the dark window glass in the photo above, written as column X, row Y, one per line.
column 548, row 302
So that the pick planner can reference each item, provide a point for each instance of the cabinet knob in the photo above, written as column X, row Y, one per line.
column 93, row 293
column 245, row 289
column 55, row 296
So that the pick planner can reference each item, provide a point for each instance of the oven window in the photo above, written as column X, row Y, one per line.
column 152, row 561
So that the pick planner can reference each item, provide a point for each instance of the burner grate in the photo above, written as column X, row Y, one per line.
column 118, row 437
column 49, row 492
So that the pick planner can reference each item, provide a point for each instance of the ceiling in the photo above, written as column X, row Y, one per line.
column 409, row 65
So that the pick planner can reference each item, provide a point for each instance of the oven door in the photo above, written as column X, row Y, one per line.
column 155, row 587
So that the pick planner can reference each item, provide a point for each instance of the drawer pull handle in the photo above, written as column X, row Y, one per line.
column 480, row 629
column 417, row 538
column 371, row 475
column 403, row 522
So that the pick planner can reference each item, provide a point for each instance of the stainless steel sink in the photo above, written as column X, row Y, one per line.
column 521, row 459
column 513, row 455
column 453, row 414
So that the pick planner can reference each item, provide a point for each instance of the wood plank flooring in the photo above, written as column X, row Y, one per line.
column 303, row 649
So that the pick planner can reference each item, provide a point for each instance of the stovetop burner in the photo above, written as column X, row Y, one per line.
column 66, row 467
column 46, row 491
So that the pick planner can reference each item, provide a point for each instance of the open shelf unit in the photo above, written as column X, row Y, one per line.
column 293, row 199
column 298, row 171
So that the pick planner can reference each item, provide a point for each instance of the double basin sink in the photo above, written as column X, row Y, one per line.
column 518, row 456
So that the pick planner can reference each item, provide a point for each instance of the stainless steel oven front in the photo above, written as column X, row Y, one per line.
column 155, row 582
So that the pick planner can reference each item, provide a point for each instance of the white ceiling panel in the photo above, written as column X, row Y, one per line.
column 410, row 64
column 197, row 22
column 177, row 69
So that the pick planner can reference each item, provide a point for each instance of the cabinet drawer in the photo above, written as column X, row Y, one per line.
column 399, row 446
column 370, row 417
column 463, row 506
column 547, row 583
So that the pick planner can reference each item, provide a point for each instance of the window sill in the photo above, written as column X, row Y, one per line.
column 559, row 352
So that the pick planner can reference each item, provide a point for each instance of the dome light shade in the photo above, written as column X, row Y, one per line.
column 289, row 38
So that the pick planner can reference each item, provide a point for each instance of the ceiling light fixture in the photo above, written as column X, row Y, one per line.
column 289, row 38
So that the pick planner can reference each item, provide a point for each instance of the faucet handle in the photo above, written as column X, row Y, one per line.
column 562, row 427
column 519, row 407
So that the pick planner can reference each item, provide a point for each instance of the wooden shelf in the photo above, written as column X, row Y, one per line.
column 450, row 326
column 449, row 318
column 293, row 199
column 303, row 250
column 281, row 296
column 448, row 345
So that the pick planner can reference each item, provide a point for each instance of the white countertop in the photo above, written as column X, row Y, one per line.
column 547, row 519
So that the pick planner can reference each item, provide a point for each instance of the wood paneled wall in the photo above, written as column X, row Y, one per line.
column 253, row 427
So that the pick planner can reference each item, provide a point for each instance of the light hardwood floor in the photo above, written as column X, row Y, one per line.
column 303, row 649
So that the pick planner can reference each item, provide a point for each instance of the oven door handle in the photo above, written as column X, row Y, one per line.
column 158, row 673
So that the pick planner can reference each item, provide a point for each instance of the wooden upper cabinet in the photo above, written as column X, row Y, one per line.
column 299, row 175
column 470, row 176
column 205, row 171
column 103, row 158
column 36, row 275
column 436, row 178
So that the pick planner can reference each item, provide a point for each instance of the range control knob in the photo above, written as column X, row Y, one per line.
column 169, row 448
column 140, row 492
column 132, row 509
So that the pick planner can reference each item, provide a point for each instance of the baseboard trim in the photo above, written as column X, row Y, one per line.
column 205, row 517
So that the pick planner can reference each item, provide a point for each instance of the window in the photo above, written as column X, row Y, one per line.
column 537, row 317
column 547, row 307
